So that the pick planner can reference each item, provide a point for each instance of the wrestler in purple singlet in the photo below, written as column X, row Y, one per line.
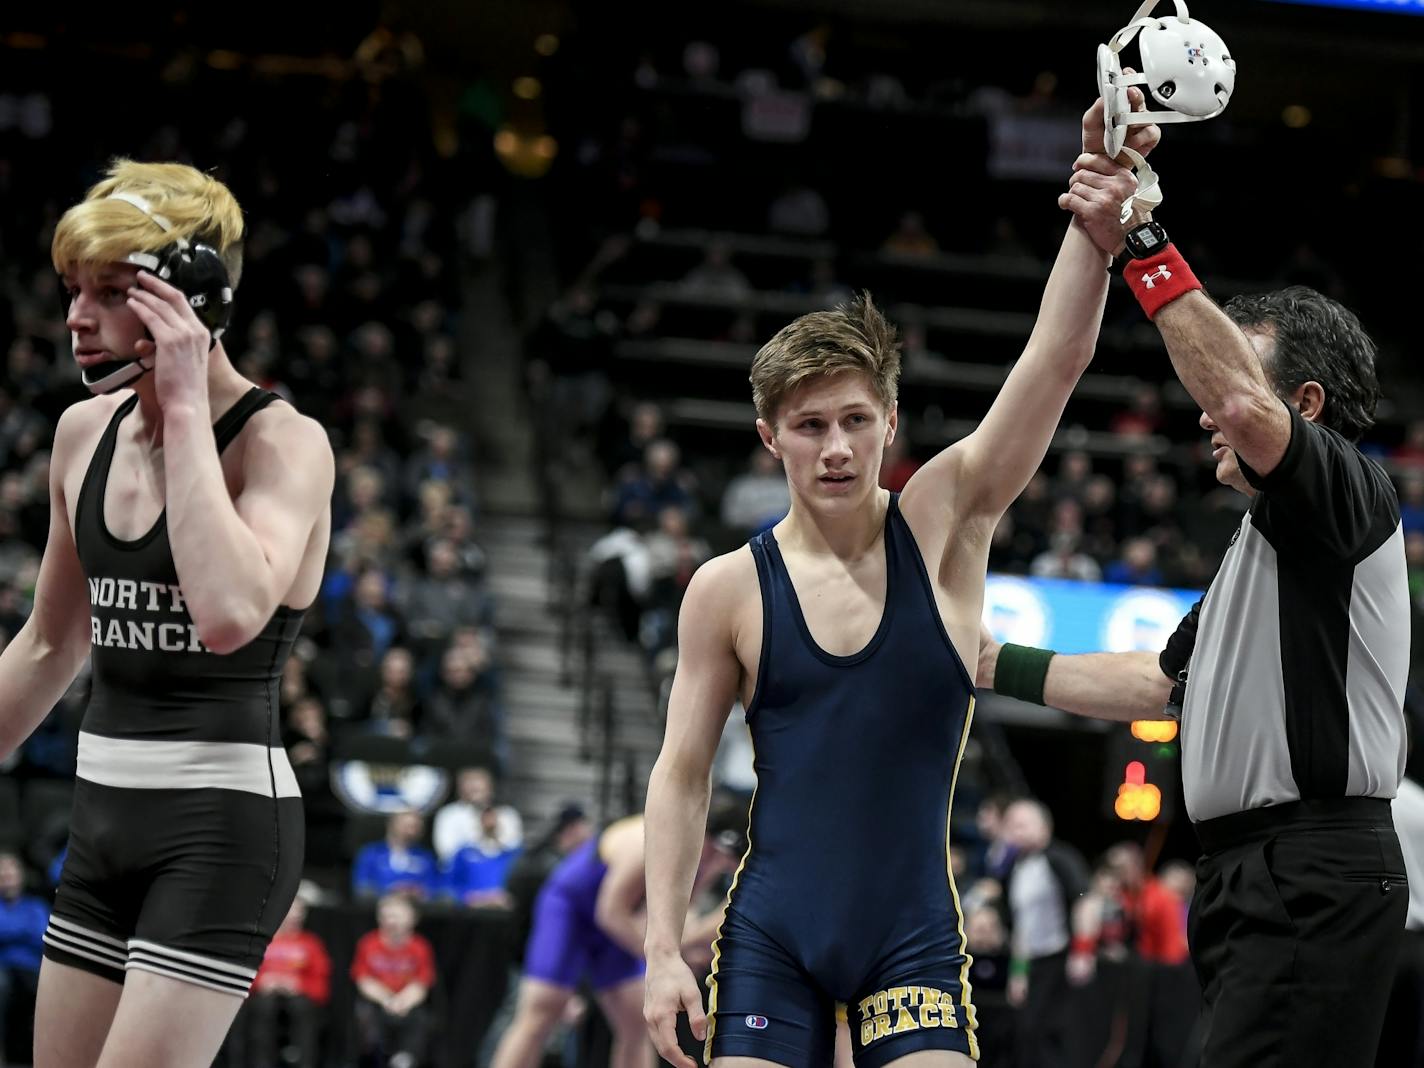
column 566, row 944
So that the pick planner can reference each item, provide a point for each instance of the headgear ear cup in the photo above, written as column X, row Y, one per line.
column 199, row 272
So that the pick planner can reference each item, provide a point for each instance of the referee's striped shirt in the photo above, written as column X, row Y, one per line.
column 1296, row 669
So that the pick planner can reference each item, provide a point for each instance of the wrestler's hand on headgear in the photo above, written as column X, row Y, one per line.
column 670, row 988
column 180, row 342
column 1141, row 138
column 1095, row 196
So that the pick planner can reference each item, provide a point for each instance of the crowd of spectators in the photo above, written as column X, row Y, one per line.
column 1073, row 965
column 476, row 843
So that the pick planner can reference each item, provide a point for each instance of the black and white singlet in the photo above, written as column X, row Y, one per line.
column 187, row 836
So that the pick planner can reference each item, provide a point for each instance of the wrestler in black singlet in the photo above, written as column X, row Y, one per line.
column 186, row 841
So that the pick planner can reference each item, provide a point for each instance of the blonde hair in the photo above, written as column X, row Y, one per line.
column 102, row 229
column 851, row 337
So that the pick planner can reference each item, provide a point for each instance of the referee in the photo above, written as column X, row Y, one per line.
column 1288, row 676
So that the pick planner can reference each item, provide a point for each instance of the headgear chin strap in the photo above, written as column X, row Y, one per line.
column 114, row 374
column 1186, row 66
column 194, row 268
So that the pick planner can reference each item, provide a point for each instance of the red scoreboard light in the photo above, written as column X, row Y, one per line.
column 1141, row 770
column 1137, row 799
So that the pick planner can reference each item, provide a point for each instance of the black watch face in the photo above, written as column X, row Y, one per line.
column 1147, row 240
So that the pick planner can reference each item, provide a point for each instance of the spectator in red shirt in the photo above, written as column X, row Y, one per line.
column 1143, row 418
column 1166, row 1000
column 294, row 981
column 394, row 969
column 1154, row 911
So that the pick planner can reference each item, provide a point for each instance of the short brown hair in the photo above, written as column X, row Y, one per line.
column 852, row 337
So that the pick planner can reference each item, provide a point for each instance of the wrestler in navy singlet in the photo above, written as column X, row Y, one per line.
column 845, row 896
column 187, row 836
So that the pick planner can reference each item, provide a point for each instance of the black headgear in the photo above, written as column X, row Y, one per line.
column 194, row 268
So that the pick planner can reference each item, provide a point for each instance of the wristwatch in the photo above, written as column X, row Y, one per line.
column 1146, row 240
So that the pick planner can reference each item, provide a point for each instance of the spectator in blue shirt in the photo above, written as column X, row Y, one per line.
column 1411, row 501
column 23, row 919
column 399, row 865
column 476, row 875
column 1137, row 566
column 646, row 490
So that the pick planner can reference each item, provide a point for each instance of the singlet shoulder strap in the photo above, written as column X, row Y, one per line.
column 899, row 539
column 763, row 547
column 765, row 555
column 102, row 459
column 236, row 417
column 761, row 554
column 776, row 588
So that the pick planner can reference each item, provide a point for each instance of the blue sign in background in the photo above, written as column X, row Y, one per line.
column 1083, row 617
column 1402, row 7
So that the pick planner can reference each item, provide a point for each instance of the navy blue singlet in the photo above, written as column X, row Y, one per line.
column 845, row 894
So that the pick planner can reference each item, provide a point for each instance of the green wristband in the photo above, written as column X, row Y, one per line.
column 1020, row 672
column 1018, row 966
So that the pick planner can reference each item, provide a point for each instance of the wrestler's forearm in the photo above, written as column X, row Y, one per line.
column 674, row 822
column 1070, row 314
column 222, row 569
column 33, row 677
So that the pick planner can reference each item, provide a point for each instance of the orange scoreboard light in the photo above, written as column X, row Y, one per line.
column 1154, row 730
column 1142, row 770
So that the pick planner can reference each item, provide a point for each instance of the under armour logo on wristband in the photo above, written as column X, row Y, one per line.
column 1158, row 281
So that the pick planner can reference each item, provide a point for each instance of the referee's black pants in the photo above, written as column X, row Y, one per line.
column 1295, row 927
column 1402, row 1041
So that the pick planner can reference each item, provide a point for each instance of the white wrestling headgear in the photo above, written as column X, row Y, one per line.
column 1186, row 66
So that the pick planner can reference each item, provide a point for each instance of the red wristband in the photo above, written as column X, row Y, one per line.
column 1160, row 279
column 1083, row 946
